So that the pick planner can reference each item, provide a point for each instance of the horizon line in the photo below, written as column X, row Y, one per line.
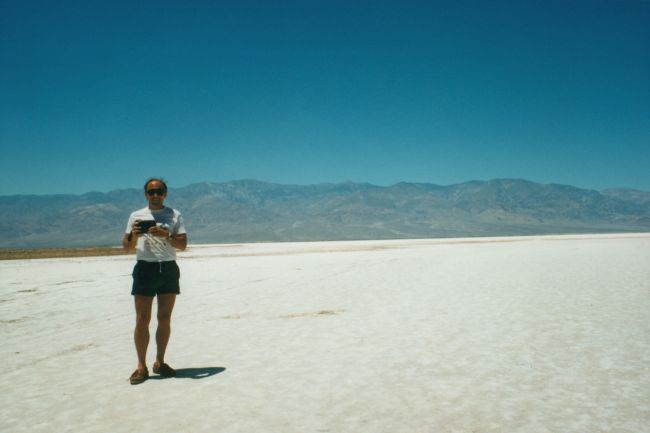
column 345, row 182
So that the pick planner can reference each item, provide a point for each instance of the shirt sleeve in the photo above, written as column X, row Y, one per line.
column 129, row 224
column 180, row 226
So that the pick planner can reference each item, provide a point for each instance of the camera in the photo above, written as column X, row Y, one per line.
column 146, row 225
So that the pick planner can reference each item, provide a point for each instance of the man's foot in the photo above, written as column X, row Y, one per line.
column 139, row 376
column 163, row 369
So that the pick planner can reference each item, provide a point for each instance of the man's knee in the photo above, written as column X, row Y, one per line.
column 164, row 316
column 143, row 318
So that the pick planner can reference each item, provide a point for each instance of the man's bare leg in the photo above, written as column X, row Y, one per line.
column 165, row 307
column 141, row 333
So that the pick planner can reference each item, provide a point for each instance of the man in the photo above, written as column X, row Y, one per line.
column 155, row 232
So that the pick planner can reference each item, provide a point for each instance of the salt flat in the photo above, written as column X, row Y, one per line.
column 530, row 334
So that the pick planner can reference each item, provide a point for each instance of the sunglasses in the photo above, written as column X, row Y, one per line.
column 154, row 191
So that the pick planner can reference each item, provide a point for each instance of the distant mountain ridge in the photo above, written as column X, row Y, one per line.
column 254, row 211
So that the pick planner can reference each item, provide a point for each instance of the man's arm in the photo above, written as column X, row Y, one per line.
column 130, row 240
column 179, row 242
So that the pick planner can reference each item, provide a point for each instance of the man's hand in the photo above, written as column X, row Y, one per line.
column 179, row 241
column 159, row 232
column 135, row 230
column 131, row 239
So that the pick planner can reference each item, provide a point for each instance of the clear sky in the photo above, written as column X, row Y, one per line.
column 99, row 95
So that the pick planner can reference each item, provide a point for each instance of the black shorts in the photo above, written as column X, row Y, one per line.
column 154, row 278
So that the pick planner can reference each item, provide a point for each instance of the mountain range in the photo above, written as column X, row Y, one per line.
column 253, row 211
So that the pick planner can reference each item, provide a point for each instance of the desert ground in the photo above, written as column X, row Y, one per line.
column 520, row 334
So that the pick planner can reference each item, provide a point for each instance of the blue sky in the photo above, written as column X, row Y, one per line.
column 99, row 95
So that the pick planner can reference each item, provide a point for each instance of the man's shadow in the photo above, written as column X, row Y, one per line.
column 193, row 373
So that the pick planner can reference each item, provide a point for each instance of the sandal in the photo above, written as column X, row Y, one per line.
column 164, row 370
column 139, row 376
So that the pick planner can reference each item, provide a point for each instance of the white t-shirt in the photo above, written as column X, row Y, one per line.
column 152, row 248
